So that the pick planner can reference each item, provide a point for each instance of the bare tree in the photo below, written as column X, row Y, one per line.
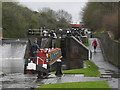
column 63, row 15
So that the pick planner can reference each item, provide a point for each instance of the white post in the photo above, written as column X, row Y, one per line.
column 37, row 60
column 89, row 56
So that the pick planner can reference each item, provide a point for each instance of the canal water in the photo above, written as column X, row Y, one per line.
column 12, row 57
column 12, row 64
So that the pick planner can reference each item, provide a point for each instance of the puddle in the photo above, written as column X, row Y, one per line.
column 79, row 75
column 18, row 81
column 110, row 74
column 107, row 71
column 68, row 75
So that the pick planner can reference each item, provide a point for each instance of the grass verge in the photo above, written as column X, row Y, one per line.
column 88, row 84
column 91, row 70
column 86, row 44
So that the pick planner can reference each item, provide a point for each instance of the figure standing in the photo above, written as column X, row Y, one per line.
column 34, row 48
column 94, row 44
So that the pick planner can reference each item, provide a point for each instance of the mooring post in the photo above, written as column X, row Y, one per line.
column 58, row 68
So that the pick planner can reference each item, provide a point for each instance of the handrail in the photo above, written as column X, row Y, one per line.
column 40, row 59
column 35, row 57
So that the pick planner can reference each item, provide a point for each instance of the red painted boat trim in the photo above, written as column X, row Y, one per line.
column 54, row 50
column 54, row 60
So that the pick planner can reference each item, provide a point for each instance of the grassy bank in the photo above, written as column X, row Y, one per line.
column 88, row 84
column 91, row 70
column 86, row 44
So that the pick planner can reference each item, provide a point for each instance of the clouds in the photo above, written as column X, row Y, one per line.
column 53, row 0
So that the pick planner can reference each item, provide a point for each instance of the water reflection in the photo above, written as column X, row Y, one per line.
column 18, row 80
column 12, row 57
column 12, row 64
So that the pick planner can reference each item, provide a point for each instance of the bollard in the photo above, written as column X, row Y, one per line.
column 58, row 68
column 40, row 75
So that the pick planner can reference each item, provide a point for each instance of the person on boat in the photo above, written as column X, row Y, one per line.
column 34, row 48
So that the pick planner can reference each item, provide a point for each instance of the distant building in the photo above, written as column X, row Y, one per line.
column 76, row 25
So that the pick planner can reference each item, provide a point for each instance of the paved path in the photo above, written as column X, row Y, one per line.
column 19, row 80
column 98, row 59
column 106, row 69
column 67, row 78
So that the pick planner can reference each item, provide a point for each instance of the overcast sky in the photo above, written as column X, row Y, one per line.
column 74, row 8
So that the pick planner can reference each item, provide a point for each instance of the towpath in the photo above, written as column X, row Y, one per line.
column 106, row 70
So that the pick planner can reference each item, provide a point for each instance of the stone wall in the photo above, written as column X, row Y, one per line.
column 110, row 49
column 74, row 53
column 75, row 49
